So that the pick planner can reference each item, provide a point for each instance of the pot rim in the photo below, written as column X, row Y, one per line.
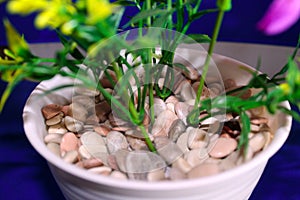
column 280, row 134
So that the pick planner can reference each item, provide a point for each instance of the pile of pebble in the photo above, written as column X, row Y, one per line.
column 87, row 134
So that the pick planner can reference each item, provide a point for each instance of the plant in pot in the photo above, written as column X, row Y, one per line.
column 144, row 105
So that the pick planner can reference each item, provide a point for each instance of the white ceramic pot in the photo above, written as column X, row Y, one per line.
column 77, row 183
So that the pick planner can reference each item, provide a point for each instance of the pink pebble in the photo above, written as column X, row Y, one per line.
column 69, row 142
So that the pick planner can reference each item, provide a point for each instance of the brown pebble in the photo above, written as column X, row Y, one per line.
column 51, row 110
column 229, row 83
column 102, row 110
column 90, row 163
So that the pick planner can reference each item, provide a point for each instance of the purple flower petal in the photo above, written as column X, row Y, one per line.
column 280, row 16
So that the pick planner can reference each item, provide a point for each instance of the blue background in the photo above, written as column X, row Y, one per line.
column 25, row 175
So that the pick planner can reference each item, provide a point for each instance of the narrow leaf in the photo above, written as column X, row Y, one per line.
column 200, row 38
column 145, row 14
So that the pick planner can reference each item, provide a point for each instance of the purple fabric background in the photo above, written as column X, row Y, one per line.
column 25, row 175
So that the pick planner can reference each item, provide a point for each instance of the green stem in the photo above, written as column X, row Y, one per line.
column 147, row 139
column 209, row 54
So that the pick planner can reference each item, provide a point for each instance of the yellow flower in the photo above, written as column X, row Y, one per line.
column 98, row 10
column 285, row 88
column 67, row 28
column 56, row 14
column 26, row 6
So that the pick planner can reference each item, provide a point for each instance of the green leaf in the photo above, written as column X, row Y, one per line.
column 16, row 42
column 201, row 14
column 68, row 45
column 292, row 113
column 18, row 77
column 126, row 3
column 115, row 19
column 200, row 38
column 145, row 14
column 243, row 142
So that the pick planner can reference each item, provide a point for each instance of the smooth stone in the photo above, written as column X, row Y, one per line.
column 83, row 152
column 177, row 128
column 205, row 91
column 228, row 163
column 229, row 83
column 197, row 138
column 90, row 163
column 171, row 99
column 259, row 120
column 139, row 162
column 187, row 92
column 161, row 141
column 116, row 122
column 196, row 156
column 54, row 148
column 202, row 170
column 86, row 101
column 51, row 110
column 91, row 119
column 156, row 175
column 66, row 109
column 71, row 156
column 103, row 170
column 88, row 127
column 182, row 110
column 170, row 152
column 95, row 145
column 116, row 141
column 171, row 107
column 189, row 71
column 112, row 162
column 121, row 128
column 137, row 144
column 182, row 142
column 211, row 160
column 55, row 120
column 102, row 129
column 135, row 134
column 102, row 110
column 78, row 112
column 215, row 128
column 159, row 106
column 163, row 123
column 54, row 137
column 216, row 88
column 257, row 142
column 223, row 147
column 73, row 124
column 268, row 137
column 69, row 142
column 257, row 111
column 118, row 175
column 57, row 128
column 176, row 174
column 182, row 165
column 245, row 94
column 254, row 127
